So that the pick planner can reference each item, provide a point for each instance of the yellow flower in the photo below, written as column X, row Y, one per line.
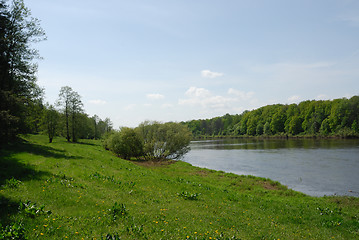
column 41, row 234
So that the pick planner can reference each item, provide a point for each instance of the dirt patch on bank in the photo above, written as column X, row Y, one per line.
column 200, row 173
column 269, row 185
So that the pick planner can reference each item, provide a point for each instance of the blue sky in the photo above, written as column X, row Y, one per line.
column 180, row 60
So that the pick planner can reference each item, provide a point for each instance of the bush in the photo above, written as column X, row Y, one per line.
column 164, row 140
column 126, row 143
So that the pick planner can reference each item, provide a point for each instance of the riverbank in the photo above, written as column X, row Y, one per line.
column 92, row 193
column 278, row 136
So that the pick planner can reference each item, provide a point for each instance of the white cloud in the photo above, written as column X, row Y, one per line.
column 197, row 92
column 155, row 96
column 242, row 95
column 294, row 99
column 98, row 102
column 233, row 101
column 209, row 74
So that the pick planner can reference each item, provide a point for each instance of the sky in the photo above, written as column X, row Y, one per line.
column 179, row 60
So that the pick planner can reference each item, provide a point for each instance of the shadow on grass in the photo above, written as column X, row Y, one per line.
column 7, row 209
column 45, row 151
column 13, row 172
column 85, row 143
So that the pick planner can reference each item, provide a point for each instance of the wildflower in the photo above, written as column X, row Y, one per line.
column 41, row 234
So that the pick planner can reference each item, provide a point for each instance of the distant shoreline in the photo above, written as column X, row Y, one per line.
column 273, row 137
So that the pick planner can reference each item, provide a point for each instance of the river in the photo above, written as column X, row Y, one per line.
column 316, row 167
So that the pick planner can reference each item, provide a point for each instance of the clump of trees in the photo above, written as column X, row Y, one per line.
column 20, row 96
column 151, row 141
column 70, row 120
column 22, row 108
column 339, row 117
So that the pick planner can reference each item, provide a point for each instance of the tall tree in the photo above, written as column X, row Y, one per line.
column 17, row 67
column 96, row 121
column 65, row 101
column 72, row 106
column 50, row 120
column 76, row 107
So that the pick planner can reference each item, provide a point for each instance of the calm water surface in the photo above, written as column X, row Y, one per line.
column 315, row 167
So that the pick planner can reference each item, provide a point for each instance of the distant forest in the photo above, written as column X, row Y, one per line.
column 339, row 117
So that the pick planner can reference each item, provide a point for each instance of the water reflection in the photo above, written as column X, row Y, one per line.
column 314, row 166
column 257, row 144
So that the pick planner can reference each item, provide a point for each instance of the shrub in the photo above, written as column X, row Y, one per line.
column 12, row 183
column 126, row 143
column 30, row 209
column 164, row 140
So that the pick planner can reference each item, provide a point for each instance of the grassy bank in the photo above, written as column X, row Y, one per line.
column 88, row 193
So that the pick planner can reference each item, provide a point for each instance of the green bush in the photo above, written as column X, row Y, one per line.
column 164, row 140
column 126, row 143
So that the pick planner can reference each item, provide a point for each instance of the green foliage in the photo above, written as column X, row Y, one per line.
column 20, row 97
column 30, row 209
column 50, row 121
column 12, row 183
column 15, row 231
column 118, row 210
column 126, row 143
column 327, row 118
column 164, row 140
column 189, row 196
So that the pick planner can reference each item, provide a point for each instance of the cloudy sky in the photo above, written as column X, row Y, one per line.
column 175, row 60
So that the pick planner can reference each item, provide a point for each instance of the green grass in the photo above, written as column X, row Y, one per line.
column 92, row 194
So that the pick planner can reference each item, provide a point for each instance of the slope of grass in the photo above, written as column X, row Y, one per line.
column 92, row 194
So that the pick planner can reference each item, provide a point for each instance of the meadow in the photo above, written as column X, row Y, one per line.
column 81, row 191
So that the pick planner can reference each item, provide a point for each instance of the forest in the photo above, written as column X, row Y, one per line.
column 327, row 118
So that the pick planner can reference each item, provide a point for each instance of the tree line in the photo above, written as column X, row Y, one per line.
column 22, row 107
column 339, row 117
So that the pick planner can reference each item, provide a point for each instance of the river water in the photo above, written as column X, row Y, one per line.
column 316, row 167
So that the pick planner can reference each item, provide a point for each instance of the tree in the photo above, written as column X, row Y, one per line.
column 76, row 107
column 64, row 101
column 96, row 121
column 266, row 128
column 72, row 106
column 17, row 68
column 50, row 119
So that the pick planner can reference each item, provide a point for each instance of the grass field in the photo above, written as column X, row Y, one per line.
column 81, row 191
